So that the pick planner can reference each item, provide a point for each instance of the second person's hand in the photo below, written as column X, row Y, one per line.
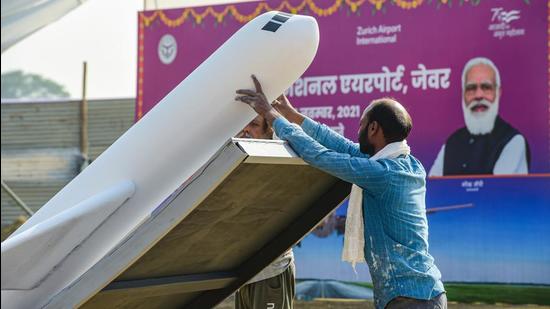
column 258, row 101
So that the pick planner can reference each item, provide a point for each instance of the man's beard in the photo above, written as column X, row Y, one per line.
column 367, row 149
column 364, row 145
column 483, row 122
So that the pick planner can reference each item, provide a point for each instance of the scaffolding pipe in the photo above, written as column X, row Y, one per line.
column 16, row 199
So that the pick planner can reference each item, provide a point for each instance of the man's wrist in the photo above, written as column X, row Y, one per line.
column 271, row 115
column 296, row 118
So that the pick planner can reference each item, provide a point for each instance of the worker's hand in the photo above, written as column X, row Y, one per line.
column 283, row 106
column 258, row 101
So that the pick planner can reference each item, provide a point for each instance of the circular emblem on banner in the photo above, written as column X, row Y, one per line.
column 168, row 49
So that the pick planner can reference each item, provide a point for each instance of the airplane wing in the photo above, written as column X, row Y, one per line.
column 214, row 233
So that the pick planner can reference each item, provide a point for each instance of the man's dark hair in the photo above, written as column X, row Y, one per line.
column 392, row 118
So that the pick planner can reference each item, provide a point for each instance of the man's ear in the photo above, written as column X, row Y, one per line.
column 376, row 129
column 373, row 127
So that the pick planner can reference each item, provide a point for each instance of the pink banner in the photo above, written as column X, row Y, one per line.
column 410, row 50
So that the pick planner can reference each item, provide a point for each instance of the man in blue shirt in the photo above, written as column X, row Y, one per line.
column 393, row 193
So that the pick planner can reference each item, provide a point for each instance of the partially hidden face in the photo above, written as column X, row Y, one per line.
column 365, row 144
column 257, row 128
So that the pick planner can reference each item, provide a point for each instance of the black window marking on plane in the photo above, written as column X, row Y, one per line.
column 285, row 14
column 271, row 26
column 280, row 18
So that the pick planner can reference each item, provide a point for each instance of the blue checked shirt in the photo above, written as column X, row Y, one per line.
column 394, row 210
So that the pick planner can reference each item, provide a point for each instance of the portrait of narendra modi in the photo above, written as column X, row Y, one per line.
column 487, row 144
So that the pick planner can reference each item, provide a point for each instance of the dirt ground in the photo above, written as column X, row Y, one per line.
column 354, row 304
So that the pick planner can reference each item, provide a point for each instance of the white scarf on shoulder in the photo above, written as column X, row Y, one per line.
column 354, row 237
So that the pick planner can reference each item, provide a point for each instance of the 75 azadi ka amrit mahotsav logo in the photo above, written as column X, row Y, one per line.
column 502, row 23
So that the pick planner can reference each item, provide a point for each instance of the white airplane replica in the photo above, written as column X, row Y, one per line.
column 159, row 175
